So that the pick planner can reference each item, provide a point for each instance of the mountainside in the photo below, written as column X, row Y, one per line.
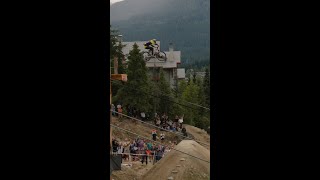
column 185, row 23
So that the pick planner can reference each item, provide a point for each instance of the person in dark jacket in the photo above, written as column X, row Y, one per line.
column 144, row 156
column 114, row 146
column 184, row 131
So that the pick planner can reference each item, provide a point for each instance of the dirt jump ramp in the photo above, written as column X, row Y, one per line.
column 178, row 166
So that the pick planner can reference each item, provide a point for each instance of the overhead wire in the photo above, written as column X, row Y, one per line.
column 169, row 99
column 132, row 154
column 173, row 97
column 179, row 134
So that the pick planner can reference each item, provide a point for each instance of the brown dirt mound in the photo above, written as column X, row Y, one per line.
column 180, row 166
column 199, row 134
column 125, row 173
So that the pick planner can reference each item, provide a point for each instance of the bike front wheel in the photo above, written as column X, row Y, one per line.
column 146, row 56
column 162, row 56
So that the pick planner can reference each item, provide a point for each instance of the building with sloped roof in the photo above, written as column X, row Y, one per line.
column 170, row 67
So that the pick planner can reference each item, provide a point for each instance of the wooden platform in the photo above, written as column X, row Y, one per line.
column 121, row 77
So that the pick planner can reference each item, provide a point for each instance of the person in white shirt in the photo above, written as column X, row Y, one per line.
column 120, row 148
column 162, row 136
column 181, row 119
column 113, row 109
column 158, row 122
column 143, row 115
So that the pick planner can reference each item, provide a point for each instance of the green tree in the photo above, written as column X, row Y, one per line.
column 190, row 94
column 134, row 92
column 194, row 77
column 203, row 116
column 177, row 108
column 155, row 101
column 206, row 87
column 116, row 51
column 121, row 58
column 165, row 96
column 113, row 42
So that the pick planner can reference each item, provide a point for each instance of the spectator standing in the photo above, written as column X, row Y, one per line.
column 114, row 145
column 174, row 127
column 126, row 151
column 113, row 110
column 120, row 148
column 163, row 117
column 149, row 150
column 144, row 157
column 162, row 137
column 158, row 122
column 168, row 127
column 133, row 149
column 140, row 145
column 176, row 118
column 143, row 116
column 159, row 155
column 166, row 117
column 181, row 119
column 119, row 111
column 164, row 125
column 149, row 146
column 154, row 134
column 184, row 131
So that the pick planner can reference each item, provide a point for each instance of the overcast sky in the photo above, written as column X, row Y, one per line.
column 113, row 1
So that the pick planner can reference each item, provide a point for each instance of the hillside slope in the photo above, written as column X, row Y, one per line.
column 198, row 135
column 181, row 166
column 188, row 168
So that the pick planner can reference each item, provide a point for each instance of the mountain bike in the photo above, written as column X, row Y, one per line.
column 160, row 55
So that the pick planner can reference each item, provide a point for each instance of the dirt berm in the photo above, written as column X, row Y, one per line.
column 178, row 166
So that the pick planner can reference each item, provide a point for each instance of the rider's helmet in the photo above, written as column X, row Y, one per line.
column 154, row 40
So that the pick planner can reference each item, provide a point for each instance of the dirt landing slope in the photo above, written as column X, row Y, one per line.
column 199, row 134
column 178, row 166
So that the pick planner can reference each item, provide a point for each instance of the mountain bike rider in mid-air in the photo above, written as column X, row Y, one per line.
column 150, row 45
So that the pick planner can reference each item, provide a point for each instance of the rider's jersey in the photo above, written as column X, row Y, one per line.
column 151, row 42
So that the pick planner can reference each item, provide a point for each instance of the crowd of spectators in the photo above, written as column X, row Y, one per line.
column 163, row 121
column 172, row 125
column 140, row 149
column 115, row 109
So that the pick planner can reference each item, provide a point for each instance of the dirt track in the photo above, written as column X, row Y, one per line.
column 190, row 169
column 198, row 134
column 186, row 167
